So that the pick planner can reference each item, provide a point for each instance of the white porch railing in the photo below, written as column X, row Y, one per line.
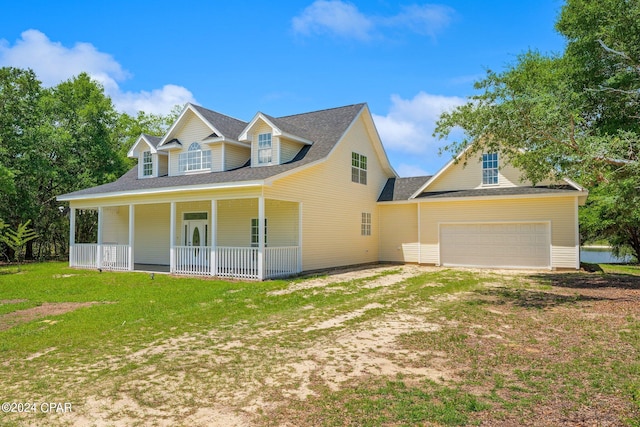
column 83, row 255
column 192, row 260
column 241, row 263
column 280, row 261
column 113, row 257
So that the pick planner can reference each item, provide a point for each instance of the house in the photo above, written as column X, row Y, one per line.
column 279, row 195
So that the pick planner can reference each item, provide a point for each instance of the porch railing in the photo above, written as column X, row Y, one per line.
column 115, row 257
column 112, row 257
column 192, row 260
column 83, row 255
column 280, row 261
column 241, row 263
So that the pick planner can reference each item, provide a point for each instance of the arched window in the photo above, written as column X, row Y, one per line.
column 194, row 159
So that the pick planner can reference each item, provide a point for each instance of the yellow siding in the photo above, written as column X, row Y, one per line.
column 191, row 130
column 235, row 157
column 234, row 221
column 399, row 232
column 282, row 223
column 216, row 157
column 288, row 150
column 332, row 205
column 560, row 211
column 151, row 244
column 115, row 225
column 464, row 177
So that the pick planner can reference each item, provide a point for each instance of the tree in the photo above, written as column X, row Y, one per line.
column 571, row 115
column 18, row 238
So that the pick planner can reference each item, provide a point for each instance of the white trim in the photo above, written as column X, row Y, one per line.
column 141, row 138
column 72, row 228
column 188, row 107
column 497, row 222
column 100, row 231
column 419, row 235
column 261, row 216
column 172, row 237
column 577, row 234
column 244, row 136
column 214, row 236
column 132, row 215
column 471, row 198
column 164, row 190
column 225, row 140
column 440, row 172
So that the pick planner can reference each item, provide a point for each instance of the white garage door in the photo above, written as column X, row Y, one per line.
column 514, row 245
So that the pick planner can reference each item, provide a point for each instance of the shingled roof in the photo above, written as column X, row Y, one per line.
column 228, row 126
column 508, row 191
column 401, row 188
column 324, row 128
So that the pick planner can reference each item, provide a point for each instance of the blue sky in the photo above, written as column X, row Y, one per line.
column 408, row 60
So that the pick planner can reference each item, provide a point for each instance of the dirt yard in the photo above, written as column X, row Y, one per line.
column 524, row 348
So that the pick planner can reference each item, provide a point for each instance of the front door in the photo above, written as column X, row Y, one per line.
column 196, row 235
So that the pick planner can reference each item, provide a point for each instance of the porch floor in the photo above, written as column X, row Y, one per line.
column 151, row 268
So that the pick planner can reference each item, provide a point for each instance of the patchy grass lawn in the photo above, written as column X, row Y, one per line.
column 385, row 345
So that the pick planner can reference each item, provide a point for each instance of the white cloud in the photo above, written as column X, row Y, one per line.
column 406, row 170
column 409, row 125
column 428, row 19
column 53, row 63
column 333, row 16
column 344, row 20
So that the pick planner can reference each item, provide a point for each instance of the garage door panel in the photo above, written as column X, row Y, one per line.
column 495, row 245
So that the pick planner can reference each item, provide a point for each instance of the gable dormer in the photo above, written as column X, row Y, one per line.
column 202, row 141
column 272, row 141
column 151, row 162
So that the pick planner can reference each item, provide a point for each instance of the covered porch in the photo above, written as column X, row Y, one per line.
column 218, row 237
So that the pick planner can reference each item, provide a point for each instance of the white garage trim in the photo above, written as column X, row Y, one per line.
column 547, row 246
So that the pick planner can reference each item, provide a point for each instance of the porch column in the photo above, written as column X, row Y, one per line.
column 172, row 238
column 299, row 266
column 99, row 254
column 260, row 238
column 214, row 243
column 132, row 213
column 72, row 236
column 419, row 249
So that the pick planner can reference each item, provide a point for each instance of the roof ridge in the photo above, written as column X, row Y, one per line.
column 320, row 111
column 200, row 107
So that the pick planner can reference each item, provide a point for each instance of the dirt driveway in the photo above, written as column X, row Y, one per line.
column 519, row 343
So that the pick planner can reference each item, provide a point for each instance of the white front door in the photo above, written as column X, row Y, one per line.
column 196, row 235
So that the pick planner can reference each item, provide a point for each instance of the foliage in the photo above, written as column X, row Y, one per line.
column 18, row 238
column 58, row 140
column 571, row 115
column 612, row 211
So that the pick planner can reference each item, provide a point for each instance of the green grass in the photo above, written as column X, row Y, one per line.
column 512, row 344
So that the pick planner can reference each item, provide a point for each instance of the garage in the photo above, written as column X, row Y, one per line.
column 508, row 245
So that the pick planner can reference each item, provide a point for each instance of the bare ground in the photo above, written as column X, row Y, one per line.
column 252, row 375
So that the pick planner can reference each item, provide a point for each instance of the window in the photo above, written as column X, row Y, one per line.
column 255, row 238
column 359, row 168
column 365, row 228
column 194, row 159
column 264, row 148
column 147, row 163
column 490, row 168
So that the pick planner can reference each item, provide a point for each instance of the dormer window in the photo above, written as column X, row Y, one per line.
column 490, row 169
column 264, row 148
column 147, row 163
column 194, row 159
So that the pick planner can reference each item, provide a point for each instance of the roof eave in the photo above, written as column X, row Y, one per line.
column 163, row 190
